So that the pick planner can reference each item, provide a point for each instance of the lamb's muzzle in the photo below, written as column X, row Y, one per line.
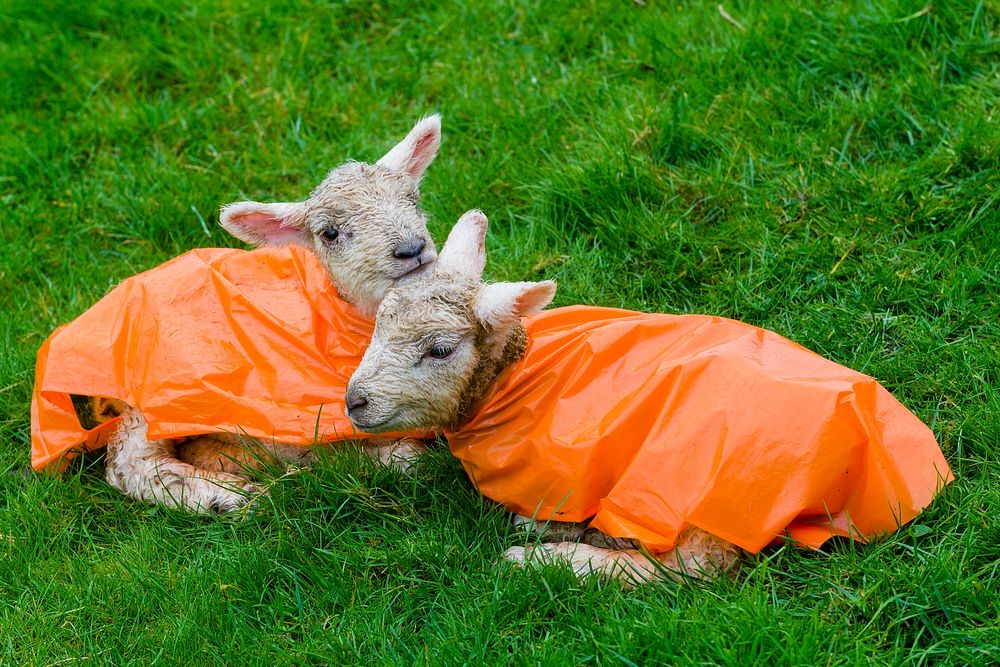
column 410, row 249
column 356, row 402
column 364, row 414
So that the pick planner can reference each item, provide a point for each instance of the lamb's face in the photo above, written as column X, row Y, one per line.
column 366, row 227
column 363, row 221
column 440, row 340
column 423, row 355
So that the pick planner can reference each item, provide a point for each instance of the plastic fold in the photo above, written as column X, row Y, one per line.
column 216, row 340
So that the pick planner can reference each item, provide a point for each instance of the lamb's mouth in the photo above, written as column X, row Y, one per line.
column 420, row 266
column 375, row 427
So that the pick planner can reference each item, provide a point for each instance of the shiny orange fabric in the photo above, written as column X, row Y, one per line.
column 257, row 342
column 651, row 423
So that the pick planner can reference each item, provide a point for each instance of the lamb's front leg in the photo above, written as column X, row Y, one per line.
column 150, row 471
column 229, row 453
column 697, row 555
column 235, row 455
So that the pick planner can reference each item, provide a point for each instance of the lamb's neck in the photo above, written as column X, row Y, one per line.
column 363, row 300
column 491, row 366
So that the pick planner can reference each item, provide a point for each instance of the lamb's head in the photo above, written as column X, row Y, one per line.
column 363, row 221
column 441, row 340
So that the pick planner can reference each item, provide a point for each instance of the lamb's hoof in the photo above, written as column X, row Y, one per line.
column 240, row 498
column 541, row 555
column 517, row 555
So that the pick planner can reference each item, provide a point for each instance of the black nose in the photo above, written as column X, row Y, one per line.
column 409, row 249
column 355, row 400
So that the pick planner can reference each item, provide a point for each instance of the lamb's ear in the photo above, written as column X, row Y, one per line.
column 266, row 224
column 465, row 250
column 499, row 303
column 415, row 153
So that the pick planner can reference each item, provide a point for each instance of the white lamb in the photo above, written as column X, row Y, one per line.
column 438, row 345
column 696, row 436
column 364, row 224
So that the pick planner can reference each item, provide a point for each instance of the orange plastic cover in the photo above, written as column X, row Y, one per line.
column 216, row 339
column 647, row 423
column 651, row 423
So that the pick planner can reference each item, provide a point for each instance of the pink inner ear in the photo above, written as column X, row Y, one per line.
column 271, row 227
column 423, row 153
column 535, row 298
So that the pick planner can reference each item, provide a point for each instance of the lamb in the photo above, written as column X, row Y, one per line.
column 438, row 345
column 654, row 446
column 364, row 225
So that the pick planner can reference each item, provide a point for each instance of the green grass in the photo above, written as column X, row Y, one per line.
column 832, row 174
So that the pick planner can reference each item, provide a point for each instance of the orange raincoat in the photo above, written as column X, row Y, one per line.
column 216, row 339
column 647, row 423
column 650, row 423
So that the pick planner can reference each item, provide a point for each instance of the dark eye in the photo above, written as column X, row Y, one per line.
column 330, row 234
column 440, row 352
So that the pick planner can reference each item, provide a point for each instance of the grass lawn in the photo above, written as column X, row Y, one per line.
column 830, row 172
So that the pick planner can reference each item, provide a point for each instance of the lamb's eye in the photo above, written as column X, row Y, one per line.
column 330, row 234
column 440, row 352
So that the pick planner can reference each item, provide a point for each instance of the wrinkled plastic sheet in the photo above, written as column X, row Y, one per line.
column 648, row 424
column 253, row 342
